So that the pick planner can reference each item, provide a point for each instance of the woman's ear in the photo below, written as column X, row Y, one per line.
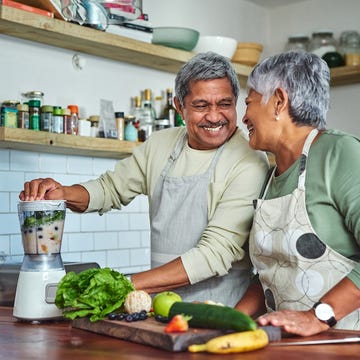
column 281, row 100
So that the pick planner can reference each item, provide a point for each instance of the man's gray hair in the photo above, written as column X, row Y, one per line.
column 205, row 66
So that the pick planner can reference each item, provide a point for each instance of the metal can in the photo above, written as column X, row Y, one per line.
column 46, row 117
column 57, row 122
column 162, row 124
column 9, row 113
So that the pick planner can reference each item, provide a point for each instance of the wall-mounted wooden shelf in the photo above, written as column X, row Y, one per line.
column 41, row 141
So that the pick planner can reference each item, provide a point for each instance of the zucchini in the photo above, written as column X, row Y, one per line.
column 213, row 316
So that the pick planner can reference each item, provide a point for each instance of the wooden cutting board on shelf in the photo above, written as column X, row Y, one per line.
column 147, row 332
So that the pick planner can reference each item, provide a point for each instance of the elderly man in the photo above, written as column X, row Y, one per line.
column 200, row 181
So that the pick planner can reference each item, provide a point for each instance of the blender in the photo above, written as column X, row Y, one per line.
column 42, row 225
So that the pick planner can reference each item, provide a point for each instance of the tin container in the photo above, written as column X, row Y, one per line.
column 9, row 114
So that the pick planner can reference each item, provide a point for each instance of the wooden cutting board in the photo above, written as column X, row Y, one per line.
column 147, row 332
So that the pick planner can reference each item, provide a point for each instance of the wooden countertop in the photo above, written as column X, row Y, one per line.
column 58, row 340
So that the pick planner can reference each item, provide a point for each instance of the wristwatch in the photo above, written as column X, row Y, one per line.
column 324, row 312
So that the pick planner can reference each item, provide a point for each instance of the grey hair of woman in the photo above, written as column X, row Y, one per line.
column 205, row 66
column 306, row 79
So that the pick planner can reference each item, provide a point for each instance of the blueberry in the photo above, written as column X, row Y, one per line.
column 143, row 316
column 162, row 319
column 121, row 316
column 135, row 316
column 112, row 316
column 129, row 318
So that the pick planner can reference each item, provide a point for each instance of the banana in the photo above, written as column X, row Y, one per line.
column 234, row 343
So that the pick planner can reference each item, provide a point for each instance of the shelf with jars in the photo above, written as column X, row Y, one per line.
column 42, row 141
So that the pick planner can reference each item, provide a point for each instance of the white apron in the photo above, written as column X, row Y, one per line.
column 295, row 267
column 179, row 215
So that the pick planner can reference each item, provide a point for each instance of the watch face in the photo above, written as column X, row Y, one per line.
column 324, row 312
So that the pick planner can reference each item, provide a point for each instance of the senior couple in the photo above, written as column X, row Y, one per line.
column 210, row 190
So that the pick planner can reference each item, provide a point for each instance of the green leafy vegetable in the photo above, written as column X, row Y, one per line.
column 43, row 217
column 93, row 292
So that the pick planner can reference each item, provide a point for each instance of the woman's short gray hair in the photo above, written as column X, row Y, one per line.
column 306, row 79
column 205, row 66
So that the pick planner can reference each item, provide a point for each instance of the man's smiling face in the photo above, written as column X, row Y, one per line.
column 209, row 112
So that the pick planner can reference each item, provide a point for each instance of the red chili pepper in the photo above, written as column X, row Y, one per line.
column 179, row 323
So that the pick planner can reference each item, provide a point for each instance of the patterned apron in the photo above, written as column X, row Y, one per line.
column 295, row 267
column 179, row 215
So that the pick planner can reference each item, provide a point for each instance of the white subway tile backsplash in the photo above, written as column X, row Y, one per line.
column 11, row 181
column 105, row 240
column 139, row 221
column 139, row 257
column 79, row 165
column 9, row 224
column 4, row 245
column 118, row 258
column 16, row 247
column 4, row 159
column 93, row 222
column 145, row 239
column 72, row 222
column 101, row 165
column 116, row 221
column 81, row 241
column 98, row 257
column 24, row 161
column 4, row 202
column 129, row 239
column 52, row 163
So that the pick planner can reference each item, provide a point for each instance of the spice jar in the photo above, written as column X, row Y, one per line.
column 322, row 42
column 34, row 115
column 94, row 125
column 46, row 112
column 9, row 113
column 34, row 95
column 23, row 116
column 57, row 123
column 298, row 42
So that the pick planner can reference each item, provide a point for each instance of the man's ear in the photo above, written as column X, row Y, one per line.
column 178, row 106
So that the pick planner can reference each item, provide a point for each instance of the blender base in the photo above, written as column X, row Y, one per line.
column 35, row 295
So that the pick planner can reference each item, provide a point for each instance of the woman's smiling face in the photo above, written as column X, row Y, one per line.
column 260, row 121
column 209, row 112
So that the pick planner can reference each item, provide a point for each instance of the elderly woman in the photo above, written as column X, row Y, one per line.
column 305, row 239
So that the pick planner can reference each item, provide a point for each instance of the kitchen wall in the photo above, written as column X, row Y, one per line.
column 120, row 239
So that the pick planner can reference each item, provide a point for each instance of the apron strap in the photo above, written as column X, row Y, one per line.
column 305, row 152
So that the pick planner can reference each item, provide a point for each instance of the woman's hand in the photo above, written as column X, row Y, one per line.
column 42, row 189
column 303, row 323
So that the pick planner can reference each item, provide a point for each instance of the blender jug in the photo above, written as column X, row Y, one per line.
column 42, row 225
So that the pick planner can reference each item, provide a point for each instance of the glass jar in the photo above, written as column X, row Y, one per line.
column 33, row 95
column 46, row 117
column 23, row 116
column 34, row 115
column 322, row 42
column 9, row 113
column 349, row 47
column 298, row 42
column 57, row 123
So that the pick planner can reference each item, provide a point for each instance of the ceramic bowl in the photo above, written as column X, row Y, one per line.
column 175, row 37
column 220, row 44
column 247, row 53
